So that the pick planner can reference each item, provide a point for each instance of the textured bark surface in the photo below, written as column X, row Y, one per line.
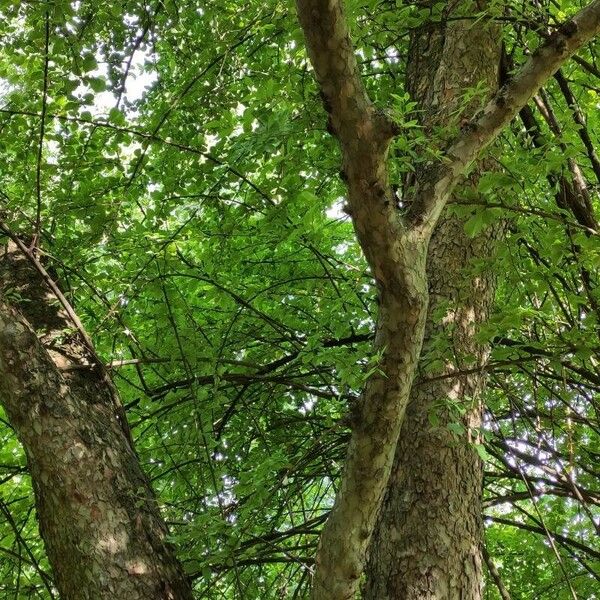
column 485, row 126
column 396, row 245
column 98, row 517
column 397, row 258
column 428, row 537
column 427, row 541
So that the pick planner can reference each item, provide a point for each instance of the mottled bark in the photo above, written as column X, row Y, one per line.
column 428, row 537
column 397, row 259
column 427, row 541
column 103, row 533
column 396, row 247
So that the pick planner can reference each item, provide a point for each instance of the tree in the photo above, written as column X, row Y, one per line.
column 98, row 515
column 428, row 539
column 396, row 248
column 185, row 230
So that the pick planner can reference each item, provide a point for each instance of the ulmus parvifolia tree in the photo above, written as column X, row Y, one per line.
column 294, row 299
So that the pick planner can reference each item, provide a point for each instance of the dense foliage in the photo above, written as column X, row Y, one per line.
column 174, row 160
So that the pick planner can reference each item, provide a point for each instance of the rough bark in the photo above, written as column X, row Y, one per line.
column 397, row 258
column 427, row 542
column 487, row 124
column 395, row 247
column 98, row 517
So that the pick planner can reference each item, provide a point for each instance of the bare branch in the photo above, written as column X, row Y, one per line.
column 495, row 575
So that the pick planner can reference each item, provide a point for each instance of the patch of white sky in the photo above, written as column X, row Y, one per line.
column 138, row 82
column 4, row 88
column 336, row 212
column 307, row 405
column 139, row 77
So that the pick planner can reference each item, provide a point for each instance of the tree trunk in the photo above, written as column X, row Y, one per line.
column 427, row 542
column 99, row 519
column 396, row 243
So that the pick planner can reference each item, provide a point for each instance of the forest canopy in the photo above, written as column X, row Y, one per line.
column 216, row 271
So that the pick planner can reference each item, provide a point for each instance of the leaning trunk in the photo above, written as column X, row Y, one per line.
column 428, row 541
column 427, row 545
column 103, row 533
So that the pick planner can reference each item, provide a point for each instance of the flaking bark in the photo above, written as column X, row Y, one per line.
column 103, row 533
column 427, row 544
column 427, row 541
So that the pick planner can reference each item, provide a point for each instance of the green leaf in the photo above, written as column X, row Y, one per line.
column 88, row 63
column 98, row 84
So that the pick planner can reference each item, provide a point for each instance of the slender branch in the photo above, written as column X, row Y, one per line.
column 46, row 579
column 116, row 364
column 590, row 68
column 495, row 574
column 529, row 211
column 55, row 290
column 40, row 150
column 562, row 539
column 580, row 121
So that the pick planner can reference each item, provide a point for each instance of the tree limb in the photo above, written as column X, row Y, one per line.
column 364, row 133
column 501, row 109
column 395, row 247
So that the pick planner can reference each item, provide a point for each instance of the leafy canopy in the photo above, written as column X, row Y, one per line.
column 174, row 160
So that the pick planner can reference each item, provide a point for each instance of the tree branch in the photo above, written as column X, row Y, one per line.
column 494, row 574
column 352, row 117
column 364, row 133
column 395, row 247
column 501, row 109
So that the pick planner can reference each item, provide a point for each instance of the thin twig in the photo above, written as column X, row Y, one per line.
column 40, row 150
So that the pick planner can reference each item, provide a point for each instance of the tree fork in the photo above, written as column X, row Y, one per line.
column 395, row 247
